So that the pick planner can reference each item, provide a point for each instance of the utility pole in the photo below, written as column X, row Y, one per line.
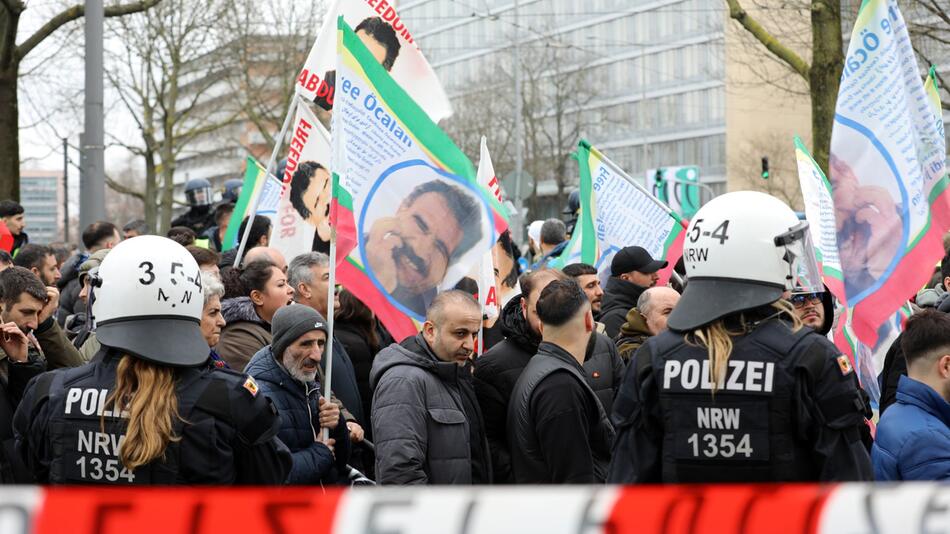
column 518, row 222
column 65, row 190
column 92, row 140
column 643, row 107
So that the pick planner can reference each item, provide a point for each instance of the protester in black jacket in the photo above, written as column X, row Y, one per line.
column 16, row 370
column 426, row 419
column 287, row 371
column 497, row 370
column 558, row 430
column 309, row 275
column 633, row 271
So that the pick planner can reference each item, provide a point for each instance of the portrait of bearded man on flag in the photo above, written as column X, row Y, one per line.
column 425, row 235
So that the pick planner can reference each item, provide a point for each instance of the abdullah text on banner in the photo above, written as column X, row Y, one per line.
column 887, row 171
column 410, row 216
column 379, row 26
column 615, row 213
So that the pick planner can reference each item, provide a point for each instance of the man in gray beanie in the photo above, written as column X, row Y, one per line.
column 287, row 371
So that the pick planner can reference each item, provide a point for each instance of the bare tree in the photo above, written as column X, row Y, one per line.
column 164, row 76
column 929, row 26
column 822, row 73
column 266, row 44
column 820, row 62
column 123, row 207
column 556, row 87
column 11, row 57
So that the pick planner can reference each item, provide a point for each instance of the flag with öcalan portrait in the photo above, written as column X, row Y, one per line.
column 888, row 172
column 409, row 214
column 820, row 214
column 490, row 291
column 391, row 44
column 302, row 220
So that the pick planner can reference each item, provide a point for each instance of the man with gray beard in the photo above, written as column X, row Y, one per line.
column 286, row 371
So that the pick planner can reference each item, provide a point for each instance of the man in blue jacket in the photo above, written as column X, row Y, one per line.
column 287, row 371
column 913, row 437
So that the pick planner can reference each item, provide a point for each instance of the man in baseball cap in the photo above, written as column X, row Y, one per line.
column 632, row 271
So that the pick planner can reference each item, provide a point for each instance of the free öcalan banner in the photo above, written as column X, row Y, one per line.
column 887, row 171
column 410, row 217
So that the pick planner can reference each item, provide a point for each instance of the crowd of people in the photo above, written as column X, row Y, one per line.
column 155, row 360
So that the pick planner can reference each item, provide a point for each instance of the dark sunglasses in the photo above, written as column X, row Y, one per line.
column 799, row 300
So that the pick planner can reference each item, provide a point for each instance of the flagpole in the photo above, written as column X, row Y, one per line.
column 328, row 353
column 278, row 143
column 481, row 335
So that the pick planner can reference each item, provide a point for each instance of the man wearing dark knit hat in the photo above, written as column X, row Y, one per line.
column 632, row 271
column 288, row 372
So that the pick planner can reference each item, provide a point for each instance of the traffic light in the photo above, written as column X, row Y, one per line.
column 765, row 167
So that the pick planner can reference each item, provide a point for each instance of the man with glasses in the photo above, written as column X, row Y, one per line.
column 816, row 310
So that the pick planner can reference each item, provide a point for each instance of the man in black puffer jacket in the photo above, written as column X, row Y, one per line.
column 497, row 371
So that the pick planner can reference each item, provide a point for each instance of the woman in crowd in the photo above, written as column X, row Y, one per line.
column 248, row 317
column 212, row 320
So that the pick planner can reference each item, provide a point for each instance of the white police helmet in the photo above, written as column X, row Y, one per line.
column 742, row 250
column 149, row 301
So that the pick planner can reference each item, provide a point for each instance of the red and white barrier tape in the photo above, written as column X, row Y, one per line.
column 799, row 509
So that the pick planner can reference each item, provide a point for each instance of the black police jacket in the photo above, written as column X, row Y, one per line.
column 66, row 435
column 788, row 409
column 198, row 218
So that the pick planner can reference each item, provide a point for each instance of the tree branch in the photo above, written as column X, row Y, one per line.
column 119, row 188
column 781, row 51
column 14, row 6
column 73, row 13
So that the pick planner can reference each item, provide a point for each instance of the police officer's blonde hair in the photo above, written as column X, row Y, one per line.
column 716, row 337
column 145, row 395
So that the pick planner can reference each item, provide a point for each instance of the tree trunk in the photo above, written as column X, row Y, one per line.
column 151, row 190
column 166, row 151
column 825, row 75
column 9, row 134
column 168, row 188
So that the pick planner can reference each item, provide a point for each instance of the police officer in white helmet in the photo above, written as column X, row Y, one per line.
column 146, row 409
column 737, row 390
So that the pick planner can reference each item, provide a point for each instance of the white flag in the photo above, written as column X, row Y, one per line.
column 488, row 291
column 385, row 34
column 301, row 223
